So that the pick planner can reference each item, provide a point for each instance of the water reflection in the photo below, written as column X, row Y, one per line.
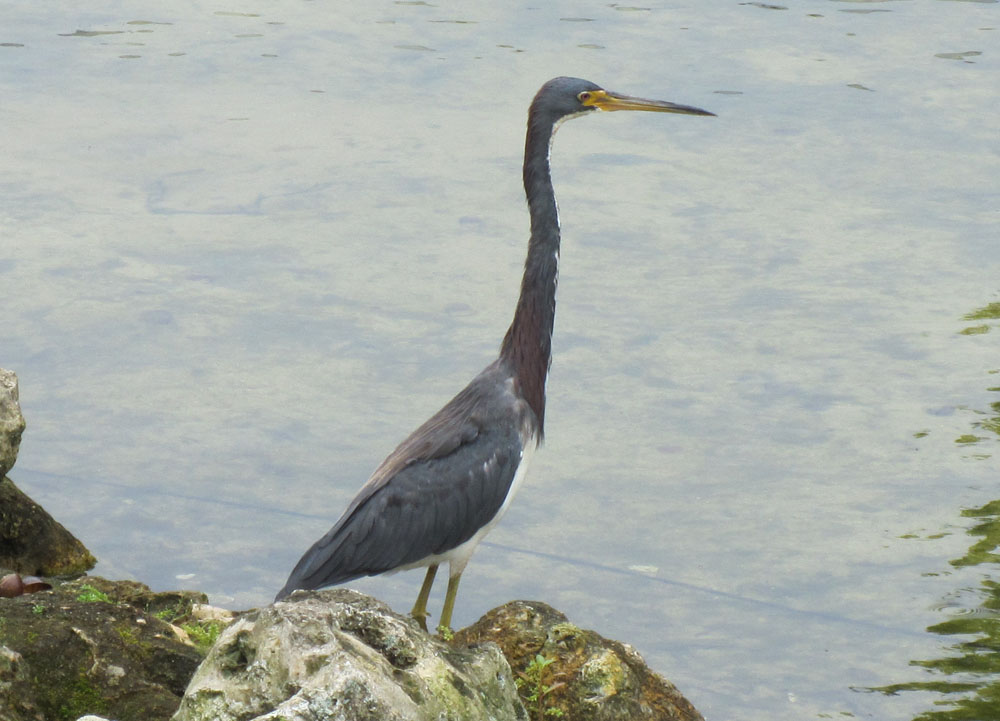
column 986, row 426
column 990, row 311
column 969, row 676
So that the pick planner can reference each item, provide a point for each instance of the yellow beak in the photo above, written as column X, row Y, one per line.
column 607, row 100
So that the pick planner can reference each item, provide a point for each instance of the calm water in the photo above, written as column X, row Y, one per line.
column 247, row 247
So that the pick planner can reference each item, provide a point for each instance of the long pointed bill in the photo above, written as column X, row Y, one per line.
column 606, row 100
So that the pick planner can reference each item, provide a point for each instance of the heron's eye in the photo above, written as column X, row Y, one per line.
column 584, row 96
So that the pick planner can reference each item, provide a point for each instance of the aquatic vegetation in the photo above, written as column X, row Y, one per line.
column 969, row 677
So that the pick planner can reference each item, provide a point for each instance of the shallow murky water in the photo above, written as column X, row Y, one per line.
column 247, row 248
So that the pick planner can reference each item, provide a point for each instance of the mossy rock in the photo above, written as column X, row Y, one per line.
column 590, row 678
column 88, row 655
column 32, row 542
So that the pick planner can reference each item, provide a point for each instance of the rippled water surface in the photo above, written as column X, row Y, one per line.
column 246, row 247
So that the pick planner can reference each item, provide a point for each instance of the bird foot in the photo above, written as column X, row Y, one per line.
column 420, row 618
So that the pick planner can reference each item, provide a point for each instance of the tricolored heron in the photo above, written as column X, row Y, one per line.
column 441, row 491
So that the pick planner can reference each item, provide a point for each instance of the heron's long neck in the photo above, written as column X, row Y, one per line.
column 528, row 343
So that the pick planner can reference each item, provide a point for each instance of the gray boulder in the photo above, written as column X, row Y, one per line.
column 339, row 655
column 11, row 421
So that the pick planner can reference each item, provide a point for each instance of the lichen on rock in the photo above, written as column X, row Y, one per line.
column 339, row 655
column 594, row 678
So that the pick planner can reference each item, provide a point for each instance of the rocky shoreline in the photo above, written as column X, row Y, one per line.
column 78, row 647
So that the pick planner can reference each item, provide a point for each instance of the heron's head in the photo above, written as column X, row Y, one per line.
column 562, row 98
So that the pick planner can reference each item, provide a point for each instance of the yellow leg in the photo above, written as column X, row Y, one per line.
column 444, row 628
column 419, row 611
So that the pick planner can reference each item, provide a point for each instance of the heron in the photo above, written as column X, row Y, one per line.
column 436, row 496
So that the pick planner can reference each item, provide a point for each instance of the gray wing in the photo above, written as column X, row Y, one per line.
column 441, row 485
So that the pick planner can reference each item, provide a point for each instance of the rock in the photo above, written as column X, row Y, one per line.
column 31, row 541
column 93, row 646
column 339, row 655
column 163, row 604
column 11, row 421
column 34, row 543
column 591, row 677
column 15, row 689
column 204, row 612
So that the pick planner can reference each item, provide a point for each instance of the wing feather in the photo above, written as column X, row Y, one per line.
column 430, row 495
